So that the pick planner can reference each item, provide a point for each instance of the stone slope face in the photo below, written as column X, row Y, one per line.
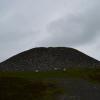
column 45, row 59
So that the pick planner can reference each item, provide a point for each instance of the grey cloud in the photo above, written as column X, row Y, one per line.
column 21, row 22
column 25, row 24
column 73, row 29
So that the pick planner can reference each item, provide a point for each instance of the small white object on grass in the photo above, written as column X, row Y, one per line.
column 64, row 69
column 55, row 68
column 36, row 70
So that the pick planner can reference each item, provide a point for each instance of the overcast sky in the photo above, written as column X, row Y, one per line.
column 26, row 24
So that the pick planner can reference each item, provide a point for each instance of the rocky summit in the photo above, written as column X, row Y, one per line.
column 46, row 59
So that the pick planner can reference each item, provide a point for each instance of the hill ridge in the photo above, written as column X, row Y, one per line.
column 48, row 58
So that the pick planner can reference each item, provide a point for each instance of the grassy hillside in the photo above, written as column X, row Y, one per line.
column 40, row 85
column 14, row 88
column 88, row 74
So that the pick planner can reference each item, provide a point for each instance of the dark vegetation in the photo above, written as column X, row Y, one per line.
column 15, row 88
column 92, row 75
column 46, row 59
column 41, row 85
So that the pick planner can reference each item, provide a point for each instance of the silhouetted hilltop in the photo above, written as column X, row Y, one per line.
column 49, row 59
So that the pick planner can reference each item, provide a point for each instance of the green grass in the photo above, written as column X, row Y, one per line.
column 40, row 85
column 89, row 74
column 14, row 88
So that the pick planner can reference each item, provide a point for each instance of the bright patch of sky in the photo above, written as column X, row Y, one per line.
column 26, row 24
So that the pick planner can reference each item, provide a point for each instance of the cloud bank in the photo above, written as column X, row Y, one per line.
column 25, row 24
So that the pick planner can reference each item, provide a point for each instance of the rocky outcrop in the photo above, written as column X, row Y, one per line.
column 45, row 59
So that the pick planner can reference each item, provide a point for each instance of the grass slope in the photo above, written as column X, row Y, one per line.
column 37, row 86
column 89, row 74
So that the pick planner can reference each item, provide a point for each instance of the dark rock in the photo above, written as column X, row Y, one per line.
column 45, row 59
